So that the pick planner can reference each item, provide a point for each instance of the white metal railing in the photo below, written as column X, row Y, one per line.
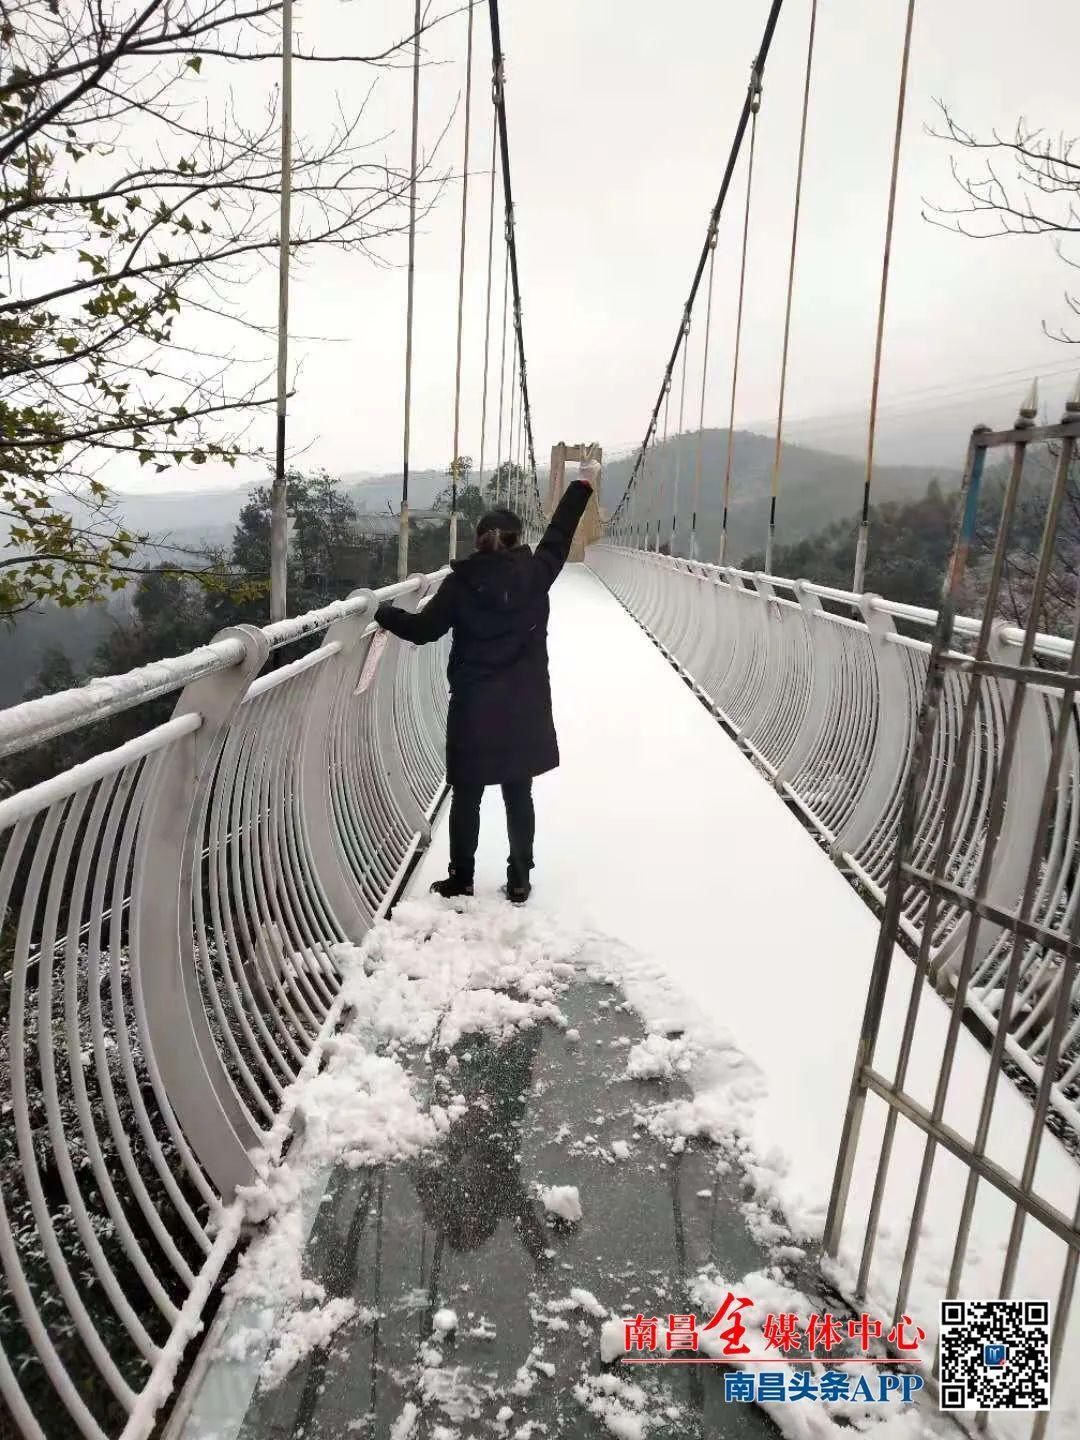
column 822, row 688
column 170, row 909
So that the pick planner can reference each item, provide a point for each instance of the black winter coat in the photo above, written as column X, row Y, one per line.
column 500, row 726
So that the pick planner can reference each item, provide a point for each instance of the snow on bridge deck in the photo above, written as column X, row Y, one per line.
column 669, row 867
column 659, row 832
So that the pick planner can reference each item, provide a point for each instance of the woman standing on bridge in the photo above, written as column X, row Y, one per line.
column 500, row 729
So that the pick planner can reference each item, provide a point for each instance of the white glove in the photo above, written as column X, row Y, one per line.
column 589, row 472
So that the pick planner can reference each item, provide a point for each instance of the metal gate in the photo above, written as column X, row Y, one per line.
column 933, row 1128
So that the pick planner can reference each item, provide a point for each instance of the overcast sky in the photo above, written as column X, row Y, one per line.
column 621, row 113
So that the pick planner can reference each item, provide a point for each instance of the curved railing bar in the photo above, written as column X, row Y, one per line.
column 169, row 910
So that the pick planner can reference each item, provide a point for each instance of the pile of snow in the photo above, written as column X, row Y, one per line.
column 612, row 1340
column 305, row 1331
column 428, row 978
column 659, row 1058
column 361, row 1111
column 291, row 1314
column 435, row 974
column 562, row 1202
column 404, row 1427
column 586, row 1300
column 620, row 1406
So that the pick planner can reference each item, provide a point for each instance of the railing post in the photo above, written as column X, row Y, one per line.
column 333, row 688
column 773, row 679
column 816, row 713
column 178, row 1043
column 386, row 742
column 893, row 737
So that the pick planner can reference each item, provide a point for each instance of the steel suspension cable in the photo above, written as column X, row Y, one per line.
column 663, row 446
column 403, row 531
column 499, row 87
column 511, row 477
column 487, row 310
column 678, row 437
column 775, row 485
column 455, row 457
column 738, row 325
column 645, row 517
column 733, row 155
column 701, row 411
column 502, row 381
column 520, row 452
column 279, row 520
column 864, row 524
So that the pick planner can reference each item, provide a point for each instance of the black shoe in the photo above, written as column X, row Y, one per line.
column 517, row 894
column 452, row 887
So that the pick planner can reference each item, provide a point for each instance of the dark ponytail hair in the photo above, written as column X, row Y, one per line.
column 498, row 530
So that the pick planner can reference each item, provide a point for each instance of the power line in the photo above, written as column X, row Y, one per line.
column 922, row 399
column 714, row 220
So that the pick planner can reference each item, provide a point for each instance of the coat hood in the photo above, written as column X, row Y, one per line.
column 500, row 580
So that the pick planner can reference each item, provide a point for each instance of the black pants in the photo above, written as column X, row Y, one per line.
column 465, row 829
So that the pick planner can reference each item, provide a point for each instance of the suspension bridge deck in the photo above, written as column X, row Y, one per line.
column 665, row 856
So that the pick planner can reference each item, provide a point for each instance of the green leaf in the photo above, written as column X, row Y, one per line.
column 195, row 63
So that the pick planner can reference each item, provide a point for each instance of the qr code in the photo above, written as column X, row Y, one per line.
column 995, row 1355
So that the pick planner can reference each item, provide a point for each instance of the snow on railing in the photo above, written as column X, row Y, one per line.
column 155, row 901
column 826, row 702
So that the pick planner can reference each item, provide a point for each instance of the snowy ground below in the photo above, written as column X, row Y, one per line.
column 664, row 1039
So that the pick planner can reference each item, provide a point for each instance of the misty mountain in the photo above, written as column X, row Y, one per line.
column 816, row 489
column 208, row 517
column 77, row 632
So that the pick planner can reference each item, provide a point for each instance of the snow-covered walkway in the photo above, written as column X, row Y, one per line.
column 663, row 1037
column 658, row 831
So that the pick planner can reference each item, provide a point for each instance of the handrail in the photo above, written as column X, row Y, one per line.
column 34, row 721
column 170, row 910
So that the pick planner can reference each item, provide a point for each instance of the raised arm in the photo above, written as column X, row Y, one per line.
column 559, row 536
column 430, row 623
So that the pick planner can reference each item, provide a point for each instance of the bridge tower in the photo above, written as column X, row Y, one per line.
column 590, row 528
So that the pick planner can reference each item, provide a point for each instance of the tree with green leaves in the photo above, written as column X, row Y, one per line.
column 321, row 563
column 504, row 484
column 911, row 549
column 138, row 197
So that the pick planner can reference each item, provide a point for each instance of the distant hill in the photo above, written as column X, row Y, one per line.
column 194, row 518
column 816, row 488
